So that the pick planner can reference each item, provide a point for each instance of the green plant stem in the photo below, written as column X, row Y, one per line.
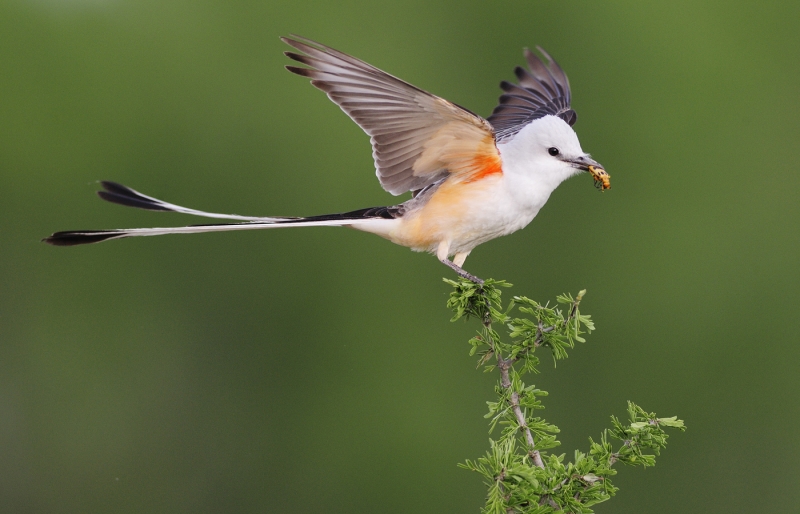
column 504, row 365
column 521, row 474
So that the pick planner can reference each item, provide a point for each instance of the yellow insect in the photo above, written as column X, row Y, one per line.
column 602, row 180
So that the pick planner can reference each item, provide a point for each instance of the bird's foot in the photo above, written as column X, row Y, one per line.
column 462, row 272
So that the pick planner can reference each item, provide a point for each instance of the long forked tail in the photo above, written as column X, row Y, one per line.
column 117, row 193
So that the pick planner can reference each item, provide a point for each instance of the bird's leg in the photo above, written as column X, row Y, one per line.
column 444, row 250
column 459, row 258
column 462, row 272
column 455, row 264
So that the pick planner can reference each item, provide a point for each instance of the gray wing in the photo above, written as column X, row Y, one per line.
column 413, row 132
column 543, row 90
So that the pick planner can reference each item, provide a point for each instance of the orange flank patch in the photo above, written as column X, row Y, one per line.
column 484, row 165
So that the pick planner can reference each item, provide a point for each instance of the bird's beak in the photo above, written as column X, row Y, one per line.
column 602, row 180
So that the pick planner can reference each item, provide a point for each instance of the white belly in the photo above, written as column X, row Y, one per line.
column 464, row 215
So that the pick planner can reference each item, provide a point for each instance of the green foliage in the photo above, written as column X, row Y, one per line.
column 520, row 474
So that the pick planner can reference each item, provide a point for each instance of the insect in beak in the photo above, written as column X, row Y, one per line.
column 602, row 180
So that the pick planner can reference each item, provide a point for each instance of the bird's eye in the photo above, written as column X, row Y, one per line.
column 553, row 151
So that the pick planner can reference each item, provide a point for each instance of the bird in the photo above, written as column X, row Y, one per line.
column 472, row 179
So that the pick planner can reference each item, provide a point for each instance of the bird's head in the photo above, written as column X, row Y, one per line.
column 547, row 149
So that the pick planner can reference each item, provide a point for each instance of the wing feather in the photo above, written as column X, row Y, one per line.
column 543, row 90
column 417, row 138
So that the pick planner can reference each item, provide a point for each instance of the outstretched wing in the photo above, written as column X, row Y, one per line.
column 543, row 90
column 417, row 138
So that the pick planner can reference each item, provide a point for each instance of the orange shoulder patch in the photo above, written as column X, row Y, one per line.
column 466, row 150
column 485, row 164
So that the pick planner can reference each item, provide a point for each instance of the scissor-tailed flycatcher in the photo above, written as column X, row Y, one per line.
column 471, row 179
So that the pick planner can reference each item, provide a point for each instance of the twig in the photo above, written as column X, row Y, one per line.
column 505, row 382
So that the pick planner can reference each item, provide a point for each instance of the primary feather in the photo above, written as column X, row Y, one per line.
column 543, row 90
column 417, row 138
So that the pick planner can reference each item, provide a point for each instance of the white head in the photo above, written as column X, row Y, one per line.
column 546, row 151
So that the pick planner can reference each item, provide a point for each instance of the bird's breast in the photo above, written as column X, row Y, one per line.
column 464, row 213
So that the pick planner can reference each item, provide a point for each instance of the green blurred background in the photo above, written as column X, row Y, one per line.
column 315, row 370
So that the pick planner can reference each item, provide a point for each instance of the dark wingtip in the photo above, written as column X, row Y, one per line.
column 70, row 238
column 569, row 116
column 304, row 72
column 297, row 57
